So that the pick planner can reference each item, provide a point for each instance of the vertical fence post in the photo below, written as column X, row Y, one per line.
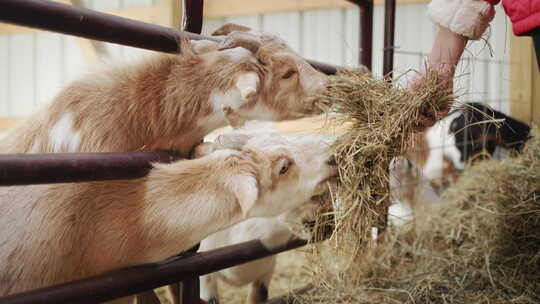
column 389, row 28
column 388, row 66
column 193, row 16
column 190, row 290
column 366, row 33
column 147, row 297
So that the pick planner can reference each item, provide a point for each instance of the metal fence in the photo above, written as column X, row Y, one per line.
column 78, row 167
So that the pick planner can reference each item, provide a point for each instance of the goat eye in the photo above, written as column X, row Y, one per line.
column 284, row 169
column 289, row 74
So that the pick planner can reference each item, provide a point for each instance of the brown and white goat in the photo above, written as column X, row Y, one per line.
column 173, row 101
column 272, row 231
column 57, row 233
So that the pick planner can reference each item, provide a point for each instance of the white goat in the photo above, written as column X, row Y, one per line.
column 272, row 231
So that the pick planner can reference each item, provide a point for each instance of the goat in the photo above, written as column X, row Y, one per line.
column 439, row 153
column 57, row 233
column 434, row 154
column 272, row 231
column 444, row 149
column 173, row 101
column 409, row 189
column 474, row 132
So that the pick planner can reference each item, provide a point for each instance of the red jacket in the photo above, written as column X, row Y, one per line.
column 525, row 14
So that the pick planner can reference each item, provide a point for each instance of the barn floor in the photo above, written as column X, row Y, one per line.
column 290, row 274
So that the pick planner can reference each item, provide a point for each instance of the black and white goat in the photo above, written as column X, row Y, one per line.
column 475, row 129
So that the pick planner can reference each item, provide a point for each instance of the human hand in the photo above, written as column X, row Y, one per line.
column 439, row 84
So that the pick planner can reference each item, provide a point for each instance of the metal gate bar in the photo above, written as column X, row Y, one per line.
column 140, row 278
column 26, row 169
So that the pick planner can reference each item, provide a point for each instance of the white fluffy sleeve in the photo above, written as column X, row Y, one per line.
column 469, row 18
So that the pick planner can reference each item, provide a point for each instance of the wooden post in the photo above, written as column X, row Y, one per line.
column 8, row 122
column 524, row 80
column 177, row 12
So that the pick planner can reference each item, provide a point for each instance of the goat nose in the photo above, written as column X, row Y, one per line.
column 331, row 161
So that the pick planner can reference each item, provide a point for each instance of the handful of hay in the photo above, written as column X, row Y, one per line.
column 382, row 120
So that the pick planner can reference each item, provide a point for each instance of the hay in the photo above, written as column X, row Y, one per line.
column 382, row 120
column 480, row 245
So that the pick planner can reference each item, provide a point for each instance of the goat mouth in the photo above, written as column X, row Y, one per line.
column 318, row 197
column 332, row 179
column 325, row 187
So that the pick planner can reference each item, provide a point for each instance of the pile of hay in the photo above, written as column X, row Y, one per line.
column 480, row 245
column 381, row 119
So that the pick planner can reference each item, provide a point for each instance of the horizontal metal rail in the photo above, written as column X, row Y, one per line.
column 25, row 169
column 87, row 23
column 144, row 277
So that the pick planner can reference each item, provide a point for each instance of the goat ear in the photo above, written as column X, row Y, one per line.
column 246, row 192
column 227, row 28
column 233, row 141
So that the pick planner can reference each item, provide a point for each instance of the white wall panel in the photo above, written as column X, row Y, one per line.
column 74, row 63
column 323, row 36
column 414, row 35
column 378, row 39
column 352, row 40
column 285, row 25
column 5, row 81
column 48, row 69
column 22, row 74
column 211, row 24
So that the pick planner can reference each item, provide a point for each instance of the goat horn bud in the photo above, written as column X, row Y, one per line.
column 228, row 28
column 242, row 39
